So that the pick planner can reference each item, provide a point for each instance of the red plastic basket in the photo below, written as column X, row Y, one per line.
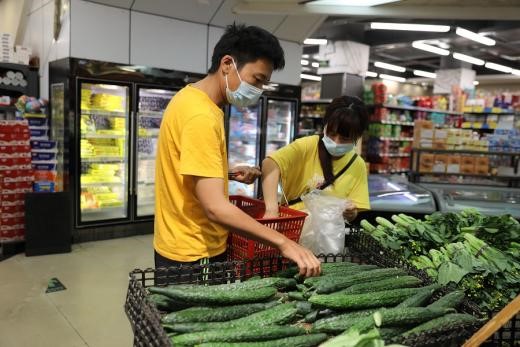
column 290, row 224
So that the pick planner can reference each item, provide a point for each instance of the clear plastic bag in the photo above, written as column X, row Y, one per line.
column 324, row 228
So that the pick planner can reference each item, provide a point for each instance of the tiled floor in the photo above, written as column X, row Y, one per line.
column 88, row 313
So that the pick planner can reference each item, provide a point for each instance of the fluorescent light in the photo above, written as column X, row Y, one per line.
column 516, row 72
column 310, row 77
column 410, row 27
column 370, row 74
column 476, row 83
column 360, row 3
column 468, row 59
column 304, row 62
column 315, row 64
column 424, row 73
column 470, row 35
column 305, row 56
column 429, row 48
column 392, row 78
column 498, row 67
column 315, row 42
column 389, row 66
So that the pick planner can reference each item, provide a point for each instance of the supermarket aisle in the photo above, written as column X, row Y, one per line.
column 89, row 313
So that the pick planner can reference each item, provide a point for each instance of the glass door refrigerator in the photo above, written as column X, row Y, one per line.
column 280, row 123
column 244, row 143
column 151, row 103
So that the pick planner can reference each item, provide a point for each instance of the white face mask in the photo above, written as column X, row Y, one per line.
column 245, row 95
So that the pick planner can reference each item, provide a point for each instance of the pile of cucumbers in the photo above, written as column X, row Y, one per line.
column 287, row 310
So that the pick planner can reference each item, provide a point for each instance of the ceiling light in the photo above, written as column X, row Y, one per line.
column 370, row 74
column 516, row 72
column 476, row 83
column 468, row 59
column 315, row 42
column 498, row 67
column 410, row 27
column 305, row 56
column 470, row 35
column 304, row 62
column 429, row 48
column 310, row 77
column 389, row 66
column 424, row 73
column 361, row 3
column 392, row 78
column 315, row 64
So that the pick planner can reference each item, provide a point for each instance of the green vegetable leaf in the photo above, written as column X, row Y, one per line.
column 450, row 272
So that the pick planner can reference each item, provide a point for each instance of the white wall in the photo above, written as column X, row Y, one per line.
column 10, row 14
column 39, row 36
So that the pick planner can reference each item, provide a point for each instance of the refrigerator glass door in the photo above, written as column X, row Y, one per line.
column 244, row 144
column 280, row 124
column 391, row 194
column 488, row 200
column 152, row 103
column 104, row 143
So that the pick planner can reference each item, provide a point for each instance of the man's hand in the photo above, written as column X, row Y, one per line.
column 307, row 262
column 245, row 174
column 350, row 212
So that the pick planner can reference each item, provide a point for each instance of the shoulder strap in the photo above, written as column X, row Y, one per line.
column 336, row 176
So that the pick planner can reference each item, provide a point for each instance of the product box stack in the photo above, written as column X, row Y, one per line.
column 8, row 54
column 43, row 153
column 17, row 177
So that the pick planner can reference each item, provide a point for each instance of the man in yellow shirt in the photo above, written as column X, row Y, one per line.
column 193, row 212
column 322, row 162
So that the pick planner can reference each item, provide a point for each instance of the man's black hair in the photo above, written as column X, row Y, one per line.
column 247, row 45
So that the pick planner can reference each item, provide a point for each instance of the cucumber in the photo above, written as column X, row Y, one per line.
column 387, row 283
column 342, row 301
column 164, row 303
column 441, row 323
column 310, row 340
column 335, row 284
column 420, row 298
column 279, row 314
column 338, row 324
column 450, row 300
column 215, row 314
column 290, row 272
column 311, row 317
column 406, row 316
column 298, row 296
column 389, row 333
column 203, row 296
column 345, row 271
column 303, row 307
column 251, row 334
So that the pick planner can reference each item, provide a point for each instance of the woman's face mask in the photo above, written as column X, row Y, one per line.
column 336, row 149
column 245, row 95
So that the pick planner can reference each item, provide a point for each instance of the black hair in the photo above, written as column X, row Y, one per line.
column 247, row 45
column 346, row 116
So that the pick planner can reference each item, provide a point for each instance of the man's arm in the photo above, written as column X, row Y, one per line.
column 210, row 192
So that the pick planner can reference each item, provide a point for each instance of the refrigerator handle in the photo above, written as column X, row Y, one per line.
column 132, row 154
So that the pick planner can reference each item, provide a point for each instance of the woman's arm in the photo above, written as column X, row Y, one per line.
column 270, row 179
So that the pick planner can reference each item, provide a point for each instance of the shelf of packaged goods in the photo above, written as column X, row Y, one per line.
column 7, row 108
column 416, row 109
column 461, row 151
column 467, row 175
column 390, row 155
column 105, row 113
column 507, row 113
column 103, row 160
column 392, row 171
column 151, row 114
column 392, row 122
column 101, row 184
column 102, row 136
column 481, row 129
column 384, row 138
column 102, row 209
column 18, row 89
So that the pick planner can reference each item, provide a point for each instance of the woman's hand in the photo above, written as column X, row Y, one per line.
column 271, row 212
column 350, row 212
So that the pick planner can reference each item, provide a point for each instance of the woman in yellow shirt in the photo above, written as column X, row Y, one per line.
column 326, row 161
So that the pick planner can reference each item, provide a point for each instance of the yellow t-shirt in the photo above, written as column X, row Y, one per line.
column 191, row 143
column 300, row 172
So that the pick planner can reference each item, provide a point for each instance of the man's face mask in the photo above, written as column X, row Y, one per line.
column 245, row 95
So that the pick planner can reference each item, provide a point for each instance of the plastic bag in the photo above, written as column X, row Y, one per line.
column 324, row 228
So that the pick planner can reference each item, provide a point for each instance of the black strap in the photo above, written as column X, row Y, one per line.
column 326, row 184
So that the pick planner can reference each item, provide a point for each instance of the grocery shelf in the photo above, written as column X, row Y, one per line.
column 461, row 151
column 465, row 175
column 411, row 124
column 414, row 108
column 147, row 157
column 491, row 113
column 102, row 136
column 151, row 114
column 394, row 138
column 102, row 209
column 103, row 160
column 102, row 184
column 390, row 155
column 7, row 108
column 391, row 171
column 19, row 89
column 104, row 113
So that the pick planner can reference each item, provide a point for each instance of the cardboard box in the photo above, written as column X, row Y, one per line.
column 440, row 145
column 467, row 160
column 425, row 168
column 482, row 161
column 454, row 159
column 482, row 169
column 467, row 168
column 441, row 134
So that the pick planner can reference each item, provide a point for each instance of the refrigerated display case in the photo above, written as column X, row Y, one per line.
column 111, row 115
column 280, row 125
column 244, row 144
column 151, row 105
column 394, row 194
column 488, row 200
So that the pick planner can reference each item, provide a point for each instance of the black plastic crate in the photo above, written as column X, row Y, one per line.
column 145, row 318
column 359, row 241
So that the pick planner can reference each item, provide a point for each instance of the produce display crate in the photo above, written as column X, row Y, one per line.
column 290, row 224
column 145, row 318
column 359, row 241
